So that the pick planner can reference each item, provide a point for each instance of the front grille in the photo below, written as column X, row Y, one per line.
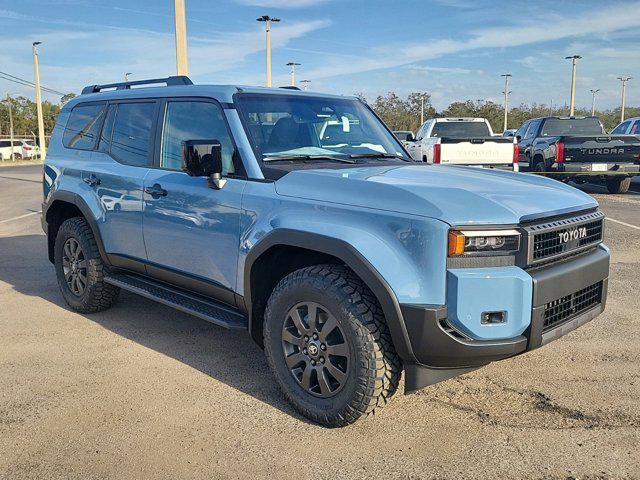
column 565, row 308
column 562, row 237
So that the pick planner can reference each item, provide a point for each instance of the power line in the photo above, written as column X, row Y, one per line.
column 27, row 83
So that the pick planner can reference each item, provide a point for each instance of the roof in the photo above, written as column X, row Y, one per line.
column 222, row 93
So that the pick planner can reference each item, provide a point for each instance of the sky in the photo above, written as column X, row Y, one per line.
column 452, row 49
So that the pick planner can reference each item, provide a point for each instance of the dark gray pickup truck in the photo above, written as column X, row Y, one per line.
column 577, row 148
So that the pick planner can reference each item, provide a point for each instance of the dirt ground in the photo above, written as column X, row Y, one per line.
column 143, row 391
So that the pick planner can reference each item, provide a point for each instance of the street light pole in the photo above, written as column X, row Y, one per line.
column 180, row 21
column 624, row 81
column 36, row 72
column 267, row 21
column 574, row 59
column 593, row 101
column 126, row 76
column 305, row 84
column 13, row 158
column 506, row 92
column 293, row 65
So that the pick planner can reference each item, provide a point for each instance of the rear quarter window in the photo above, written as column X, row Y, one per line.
column 83, row 127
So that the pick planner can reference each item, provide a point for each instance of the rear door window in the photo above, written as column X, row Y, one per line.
column 132, row 132
column 83, row 127
column 622, row 128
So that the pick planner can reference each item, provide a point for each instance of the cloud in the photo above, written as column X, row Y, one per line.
column 613, row 18
column 70, row 59
column 282, row 3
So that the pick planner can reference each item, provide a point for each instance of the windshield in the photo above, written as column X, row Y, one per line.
column 290, row 127
column 460, row 129
column 554, row 127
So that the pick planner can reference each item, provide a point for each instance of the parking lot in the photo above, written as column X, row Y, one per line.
column 144, row 391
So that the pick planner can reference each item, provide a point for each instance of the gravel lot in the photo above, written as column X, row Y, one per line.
column 143, row 391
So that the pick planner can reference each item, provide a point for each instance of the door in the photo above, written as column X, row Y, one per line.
column 118, row 167
column 526, row 142
column 192, row 231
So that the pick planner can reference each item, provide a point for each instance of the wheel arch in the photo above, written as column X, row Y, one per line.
column 314, row 249
column 62, row 206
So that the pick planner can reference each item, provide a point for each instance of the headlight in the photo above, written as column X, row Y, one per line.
column 483, row 242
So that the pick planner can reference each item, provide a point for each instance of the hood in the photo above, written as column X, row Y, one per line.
column 456, row 195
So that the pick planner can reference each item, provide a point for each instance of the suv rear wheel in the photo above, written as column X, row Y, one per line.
column 328, row 345
column 618, row 185
column 79, row 268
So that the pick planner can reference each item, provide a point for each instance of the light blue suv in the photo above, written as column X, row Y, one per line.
column 300, row 218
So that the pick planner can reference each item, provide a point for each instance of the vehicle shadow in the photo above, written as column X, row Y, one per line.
column 227, row 356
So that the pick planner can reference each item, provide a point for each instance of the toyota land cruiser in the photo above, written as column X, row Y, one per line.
column 300, row 218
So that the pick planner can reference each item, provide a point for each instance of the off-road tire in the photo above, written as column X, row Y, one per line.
column 618, row 185
column 97, row 294
column 374, row 366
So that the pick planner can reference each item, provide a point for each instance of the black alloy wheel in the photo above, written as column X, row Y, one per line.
column 74, row 267
column 315, row 349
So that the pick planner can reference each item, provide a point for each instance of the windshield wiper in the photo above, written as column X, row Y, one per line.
column 308, row 157
column 377, row 155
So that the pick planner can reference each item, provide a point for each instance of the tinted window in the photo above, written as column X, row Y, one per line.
column 5, row 143
column 460, row 129
column 522, row 130
column 635, row 130
column 571, row 126
column 622, row 128
column 132, row 133
column 83, row 127
column 533, row 129
column 194, row 121
column 107, row 130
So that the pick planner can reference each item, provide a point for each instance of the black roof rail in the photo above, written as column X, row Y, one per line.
column 169, row 81
column 290, row 87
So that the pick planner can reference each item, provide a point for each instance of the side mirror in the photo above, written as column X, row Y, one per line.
column 203, row 158
column 411, row 137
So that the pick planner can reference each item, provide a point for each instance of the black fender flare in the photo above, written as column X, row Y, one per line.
column 351, row 257
column 81, row 204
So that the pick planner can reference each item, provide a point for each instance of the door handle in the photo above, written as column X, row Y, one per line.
column 91, row 180
column 155, row 191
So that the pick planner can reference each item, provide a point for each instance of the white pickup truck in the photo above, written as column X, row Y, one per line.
column 463, row 141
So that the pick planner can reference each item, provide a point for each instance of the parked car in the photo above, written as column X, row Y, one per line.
column 29, row 149
column 463, row 141
column 631, row 126
column 577, row 148
column 346, row 260
column 404, row 135
column 6, row 150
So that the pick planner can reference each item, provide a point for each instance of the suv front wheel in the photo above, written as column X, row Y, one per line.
column 79, row 268
column 328, row 345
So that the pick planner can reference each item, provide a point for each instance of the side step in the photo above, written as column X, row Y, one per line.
column 190, row 303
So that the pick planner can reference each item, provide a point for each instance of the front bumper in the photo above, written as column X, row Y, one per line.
column 442, row 352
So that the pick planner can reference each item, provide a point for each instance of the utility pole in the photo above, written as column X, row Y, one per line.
column 180, row 20
column 293, row 65
column 506, row 92
column 421, row 109
column 305, row 84
column 267, row 22
column 13, row 158
column 36, row 72
column 593, row 101
column 574, row 59
column 624, row 81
